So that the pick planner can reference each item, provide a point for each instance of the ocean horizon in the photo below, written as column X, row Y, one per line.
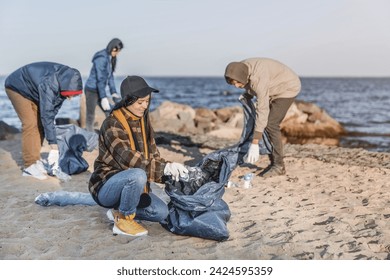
column 360, row 104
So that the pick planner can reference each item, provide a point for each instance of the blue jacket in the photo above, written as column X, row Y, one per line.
column 101, row 74
column 42, row 83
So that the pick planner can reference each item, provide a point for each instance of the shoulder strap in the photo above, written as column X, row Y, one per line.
column 121, row 118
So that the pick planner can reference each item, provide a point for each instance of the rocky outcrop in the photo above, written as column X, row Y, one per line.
column 307, row 123
column 7, row 132
column 304, row 122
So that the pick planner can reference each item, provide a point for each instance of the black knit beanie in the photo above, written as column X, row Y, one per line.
column 237, row 71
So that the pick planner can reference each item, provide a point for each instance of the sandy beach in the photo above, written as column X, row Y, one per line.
column 332, row 204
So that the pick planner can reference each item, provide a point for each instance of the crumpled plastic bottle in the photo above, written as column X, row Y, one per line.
column 247, row 184
column 231, row 184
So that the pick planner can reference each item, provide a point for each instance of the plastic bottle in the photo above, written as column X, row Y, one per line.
column 184, row 177
column 231, row 184
column 247, row 181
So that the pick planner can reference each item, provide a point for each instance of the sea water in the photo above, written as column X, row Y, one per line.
column 361, row 105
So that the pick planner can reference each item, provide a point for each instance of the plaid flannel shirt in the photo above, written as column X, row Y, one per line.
column 116, row 155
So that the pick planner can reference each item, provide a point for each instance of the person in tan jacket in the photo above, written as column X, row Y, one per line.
column 275, row 87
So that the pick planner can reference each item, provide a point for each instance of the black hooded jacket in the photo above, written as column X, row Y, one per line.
column 42, row 83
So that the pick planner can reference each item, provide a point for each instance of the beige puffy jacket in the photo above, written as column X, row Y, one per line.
column 269, row 79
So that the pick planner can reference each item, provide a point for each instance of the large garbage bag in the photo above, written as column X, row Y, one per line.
column 72, row 142
column 196, row 207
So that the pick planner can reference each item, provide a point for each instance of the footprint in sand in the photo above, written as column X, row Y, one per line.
column 279, row 238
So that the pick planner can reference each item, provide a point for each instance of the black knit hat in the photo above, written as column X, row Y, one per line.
column 132, row 88
column 135, row 86
column 237, row 71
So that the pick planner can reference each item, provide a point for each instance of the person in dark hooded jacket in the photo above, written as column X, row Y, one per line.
column 101, row 75
column 37, row 91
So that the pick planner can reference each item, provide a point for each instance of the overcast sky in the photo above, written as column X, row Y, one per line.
column 200, row 37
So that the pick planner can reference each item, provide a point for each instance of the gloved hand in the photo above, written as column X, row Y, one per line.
column 53, row 158
column 175, row 169
column 105, row 104
column 253, row 154
column 116, row 97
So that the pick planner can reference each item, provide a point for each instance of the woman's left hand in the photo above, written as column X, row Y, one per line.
column 175, row 169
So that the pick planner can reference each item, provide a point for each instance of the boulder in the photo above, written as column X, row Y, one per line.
column 304, row 122
column 7, row 132
column 204, row 120
column 224, row 114
column 236, row 120
column 173, row 117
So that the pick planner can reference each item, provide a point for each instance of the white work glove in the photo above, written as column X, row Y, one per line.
column 116, row 97
column 175, row 169
column 105, row 104
column 52, row 159
column 253, row 154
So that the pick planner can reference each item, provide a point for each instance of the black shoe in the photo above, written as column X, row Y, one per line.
column 273, row 170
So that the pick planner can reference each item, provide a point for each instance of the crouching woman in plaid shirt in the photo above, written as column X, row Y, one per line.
column 128, row 161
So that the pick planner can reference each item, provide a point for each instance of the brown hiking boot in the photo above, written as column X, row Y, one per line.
column 127, row 226
column 272, row 171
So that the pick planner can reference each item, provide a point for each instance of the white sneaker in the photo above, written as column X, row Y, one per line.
column 41, row 166
column 34, row 171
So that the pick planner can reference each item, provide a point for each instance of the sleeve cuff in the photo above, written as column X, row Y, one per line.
column 257, row 135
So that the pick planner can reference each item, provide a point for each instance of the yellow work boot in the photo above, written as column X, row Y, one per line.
column 127, row 226
column 113, row 213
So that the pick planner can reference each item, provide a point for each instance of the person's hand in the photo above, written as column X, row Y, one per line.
column 105, row 104
column 53, row 158
column 176, row 170
column 116, row 97
column 253, row 154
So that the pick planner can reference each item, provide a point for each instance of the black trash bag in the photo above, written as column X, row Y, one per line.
column 72, row 162
column 72, row 142
column 196, row 207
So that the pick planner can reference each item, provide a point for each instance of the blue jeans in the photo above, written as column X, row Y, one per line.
column 63, row 198
column 124, row 189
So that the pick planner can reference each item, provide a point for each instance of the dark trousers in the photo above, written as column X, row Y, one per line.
column 92, row 99
column 278, row 110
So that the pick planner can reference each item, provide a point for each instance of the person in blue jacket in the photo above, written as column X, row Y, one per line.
column 37, row 91
column 101, row 75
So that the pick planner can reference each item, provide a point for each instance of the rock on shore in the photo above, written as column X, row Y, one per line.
column 304, row 122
